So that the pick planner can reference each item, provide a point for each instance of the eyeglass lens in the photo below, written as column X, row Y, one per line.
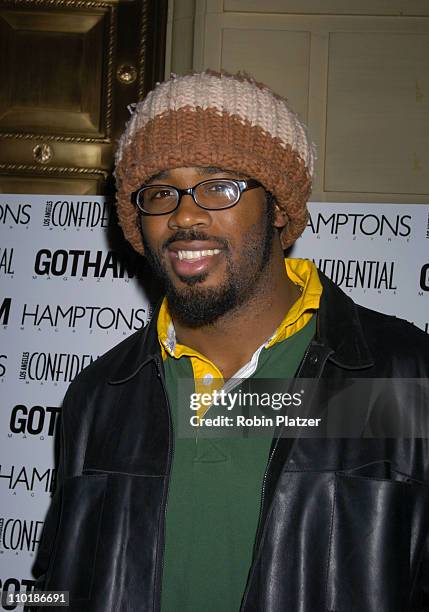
column 211, row 194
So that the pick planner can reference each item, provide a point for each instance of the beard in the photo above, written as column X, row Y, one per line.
column 195, row 305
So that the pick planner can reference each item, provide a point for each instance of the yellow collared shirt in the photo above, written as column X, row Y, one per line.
column 207, row 375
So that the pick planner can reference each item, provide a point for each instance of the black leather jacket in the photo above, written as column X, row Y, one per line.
column 344, row 523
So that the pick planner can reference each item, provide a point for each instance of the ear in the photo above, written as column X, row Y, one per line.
column 281, row 217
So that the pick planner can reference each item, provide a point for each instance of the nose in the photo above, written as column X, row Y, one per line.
column 189, row 214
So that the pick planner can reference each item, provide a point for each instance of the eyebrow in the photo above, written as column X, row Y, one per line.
column 202, row 171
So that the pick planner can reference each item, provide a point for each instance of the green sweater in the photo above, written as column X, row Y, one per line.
column 214, row 497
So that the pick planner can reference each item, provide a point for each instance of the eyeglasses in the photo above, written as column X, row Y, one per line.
column 214, row 194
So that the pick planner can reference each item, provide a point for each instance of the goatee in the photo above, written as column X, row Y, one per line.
column 195, row 305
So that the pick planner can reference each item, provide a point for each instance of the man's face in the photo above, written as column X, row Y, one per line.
column 210, row 261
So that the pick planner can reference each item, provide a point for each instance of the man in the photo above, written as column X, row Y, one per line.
column 213, row 173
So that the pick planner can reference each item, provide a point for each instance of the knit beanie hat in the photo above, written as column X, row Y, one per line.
column 221, row 120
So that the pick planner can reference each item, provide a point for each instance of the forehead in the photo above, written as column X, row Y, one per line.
column 199, row 171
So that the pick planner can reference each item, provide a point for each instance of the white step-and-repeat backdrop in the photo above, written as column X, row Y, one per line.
column 70, row 290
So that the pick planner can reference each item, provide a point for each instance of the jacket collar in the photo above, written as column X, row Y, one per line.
column 145, row 349
column 338, row 328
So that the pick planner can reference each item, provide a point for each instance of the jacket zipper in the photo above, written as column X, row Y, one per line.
column 264, row 482
column 158, row 586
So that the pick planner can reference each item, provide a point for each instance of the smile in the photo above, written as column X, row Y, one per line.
column 197, row 254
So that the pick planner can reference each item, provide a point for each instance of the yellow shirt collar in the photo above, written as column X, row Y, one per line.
column 302, row 272
column 207, row 375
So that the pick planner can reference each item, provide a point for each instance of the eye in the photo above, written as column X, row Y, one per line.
column 222, row 190
column 217, row 187
column 163, row 194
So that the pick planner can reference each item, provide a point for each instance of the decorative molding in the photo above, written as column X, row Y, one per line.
column 110, row 69
column 143, row 49
column 61, row 3
column 126, row 74
column 42, row 153
column 52, row 169
column 52, row 137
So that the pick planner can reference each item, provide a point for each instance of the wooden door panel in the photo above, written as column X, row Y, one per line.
column 69, row 70
column 359, row 81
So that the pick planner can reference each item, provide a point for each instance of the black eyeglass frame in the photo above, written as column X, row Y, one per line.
column 242, row 184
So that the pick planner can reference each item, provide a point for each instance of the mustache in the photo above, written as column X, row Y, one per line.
column 187, row 235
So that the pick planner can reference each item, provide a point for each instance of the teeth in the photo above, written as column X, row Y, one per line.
column 197, row 254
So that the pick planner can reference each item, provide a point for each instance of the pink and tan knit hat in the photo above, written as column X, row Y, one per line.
column 221, row 120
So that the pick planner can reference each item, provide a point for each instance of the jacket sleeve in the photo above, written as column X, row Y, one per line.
column 47, row 543
column 423, row 594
